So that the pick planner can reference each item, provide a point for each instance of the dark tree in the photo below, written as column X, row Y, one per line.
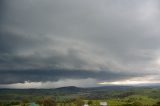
column 49, row 102
column 24, row 102
column 79, row 102
column 90, row 102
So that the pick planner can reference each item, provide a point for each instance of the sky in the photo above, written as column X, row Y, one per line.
column 83, row 43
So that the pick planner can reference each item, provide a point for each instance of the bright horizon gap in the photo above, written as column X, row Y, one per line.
column 128, row 82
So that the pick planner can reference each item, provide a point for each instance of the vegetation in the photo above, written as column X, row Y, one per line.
column 72, row 96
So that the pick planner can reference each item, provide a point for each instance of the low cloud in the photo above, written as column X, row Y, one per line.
column 61, row 83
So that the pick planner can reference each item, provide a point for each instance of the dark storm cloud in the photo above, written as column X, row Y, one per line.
column 105, row 40
column 11, row 41
column 10, row 77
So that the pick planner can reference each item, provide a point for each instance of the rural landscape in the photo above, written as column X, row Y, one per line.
column 74, row 96
column 79, row 52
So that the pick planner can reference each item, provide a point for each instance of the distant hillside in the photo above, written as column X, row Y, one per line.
column 69, row 89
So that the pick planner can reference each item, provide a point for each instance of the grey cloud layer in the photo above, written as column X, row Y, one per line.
column 57, row 74
column 105, row 40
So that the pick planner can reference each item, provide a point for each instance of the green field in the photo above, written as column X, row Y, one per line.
column 73, row 96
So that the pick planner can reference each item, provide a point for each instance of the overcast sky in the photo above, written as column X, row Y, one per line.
column 85, row 43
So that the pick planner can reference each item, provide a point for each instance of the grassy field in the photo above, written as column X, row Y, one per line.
column 68, row 96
